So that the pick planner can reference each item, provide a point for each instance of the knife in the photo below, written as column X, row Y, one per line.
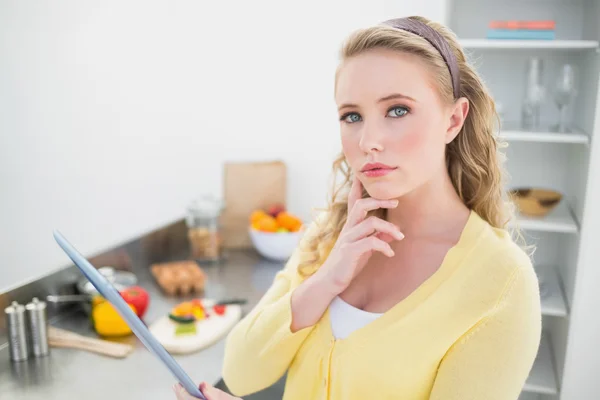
column 227, row 302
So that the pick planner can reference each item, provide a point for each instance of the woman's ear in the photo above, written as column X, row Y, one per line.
column 458, row 114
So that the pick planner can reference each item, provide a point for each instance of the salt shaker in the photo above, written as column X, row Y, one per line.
column 38, row 324
column 17, row 331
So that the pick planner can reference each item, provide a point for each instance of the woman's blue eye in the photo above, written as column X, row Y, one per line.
column 396, row 112
column 351, row 118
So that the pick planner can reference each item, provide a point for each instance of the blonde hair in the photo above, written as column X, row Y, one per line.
column 473, row 159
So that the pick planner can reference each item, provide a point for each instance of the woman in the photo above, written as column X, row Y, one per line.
column 408, row 286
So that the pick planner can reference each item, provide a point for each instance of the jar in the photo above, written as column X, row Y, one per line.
column 204, row 236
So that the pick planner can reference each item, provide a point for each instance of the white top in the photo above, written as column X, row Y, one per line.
column 345, row 318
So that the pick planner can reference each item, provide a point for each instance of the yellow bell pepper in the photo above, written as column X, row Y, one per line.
column 108, row 322
column 198, row 313
column 97, row 299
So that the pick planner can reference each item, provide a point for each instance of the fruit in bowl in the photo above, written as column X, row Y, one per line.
column 275, row 232
column 276, row 220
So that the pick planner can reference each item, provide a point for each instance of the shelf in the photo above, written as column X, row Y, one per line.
column 553, row 300
column 559, row 220
column 542, row 378
column 542, row 136
column 528, row 44
column 529, row 396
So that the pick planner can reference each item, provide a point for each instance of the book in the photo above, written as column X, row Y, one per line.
column 545, row 25
column 520, row 34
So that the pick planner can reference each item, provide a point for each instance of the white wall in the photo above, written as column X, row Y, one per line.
column 115, row 114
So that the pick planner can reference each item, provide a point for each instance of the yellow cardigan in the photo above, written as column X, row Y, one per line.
column 471, row 331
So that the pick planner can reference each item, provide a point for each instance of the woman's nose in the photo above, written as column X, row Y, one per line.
column 370, row 140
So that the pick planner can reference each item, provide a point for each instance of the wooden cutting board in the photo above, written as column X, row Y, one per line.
column 248, row 186
column 208, row 331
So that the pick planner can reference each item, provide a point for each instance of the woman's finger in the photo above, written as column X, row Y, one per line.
column 213, row 393
column 181, row 393
column 368, row 244
column 362, row 206
column 370, row 226
column 355, row 192
column 385, row 237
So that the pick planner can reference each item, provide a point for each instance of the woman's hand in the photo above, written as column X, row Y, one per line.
column 207, row 390
column 359, row 239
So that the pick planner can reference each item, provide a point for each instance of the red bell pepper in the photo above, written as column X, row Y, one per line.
column 138, row 297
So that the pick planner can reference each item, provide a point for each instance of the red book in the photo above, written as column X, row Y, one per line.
column 530, row 25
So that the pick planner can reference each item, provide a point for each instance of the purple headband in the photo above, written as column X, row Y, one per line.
column 436, row 40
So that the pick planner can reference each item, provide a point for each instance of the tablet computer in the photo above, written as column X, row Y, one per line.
column 106, row 289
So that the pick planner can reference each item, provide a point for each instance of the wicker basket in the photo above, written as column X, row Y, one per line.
column 535, row 202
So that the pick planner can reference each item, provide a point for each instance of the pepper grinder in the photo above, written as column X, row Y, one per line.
column 17, row 332
column 38, row 324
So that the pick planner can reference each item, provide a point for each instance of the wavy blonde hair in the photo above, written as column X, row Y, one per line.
column 473, row 159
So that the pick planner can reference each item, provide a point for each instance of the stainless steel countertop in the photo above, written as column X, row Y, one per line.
column 74, row 374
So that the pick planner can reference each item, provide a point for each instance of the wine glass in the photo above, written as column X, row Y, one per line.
column 564, row 93
column 534, row 94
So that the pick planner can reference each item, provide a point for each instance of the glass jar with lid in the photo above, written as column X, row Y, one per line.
column 202, row 219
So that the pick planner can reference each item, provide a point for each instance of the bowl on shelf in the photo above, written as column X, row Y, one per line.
column 535, row 202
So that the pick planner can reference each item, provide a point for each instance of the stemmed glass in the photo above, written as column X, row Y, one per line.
column 564, row 93
column 534, row 94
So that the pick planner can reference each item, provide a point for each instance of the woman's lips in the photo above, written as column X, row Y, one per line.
column 377, row 172
column 376, row 169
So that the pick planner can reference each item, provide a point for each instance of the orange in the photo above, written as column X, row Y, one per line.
column 257, row 215
column 296, row 228
column 267, row 224
column 288, row 221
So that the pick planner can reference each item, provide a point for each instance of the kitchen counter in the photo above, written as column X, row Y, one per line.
column 77, row 374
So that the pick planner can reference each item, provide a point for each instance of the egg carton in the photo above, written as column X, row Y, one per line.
column 179, row 277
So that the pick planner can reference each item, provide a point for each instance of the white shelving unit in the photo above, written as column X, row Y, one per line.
column 566, row 162
column 559, row 220
column 553, row 299
column 511, row 133
column 545, row 137
column 529, row 44
column 529, row 396
column 543, row 377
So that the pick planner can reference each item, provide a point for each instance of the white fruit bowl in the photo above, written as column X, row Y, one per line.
column 277, row 246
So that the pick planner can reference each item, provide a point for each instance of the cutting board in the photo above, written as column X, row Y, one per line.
column 208, row 331
column 249, row 186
